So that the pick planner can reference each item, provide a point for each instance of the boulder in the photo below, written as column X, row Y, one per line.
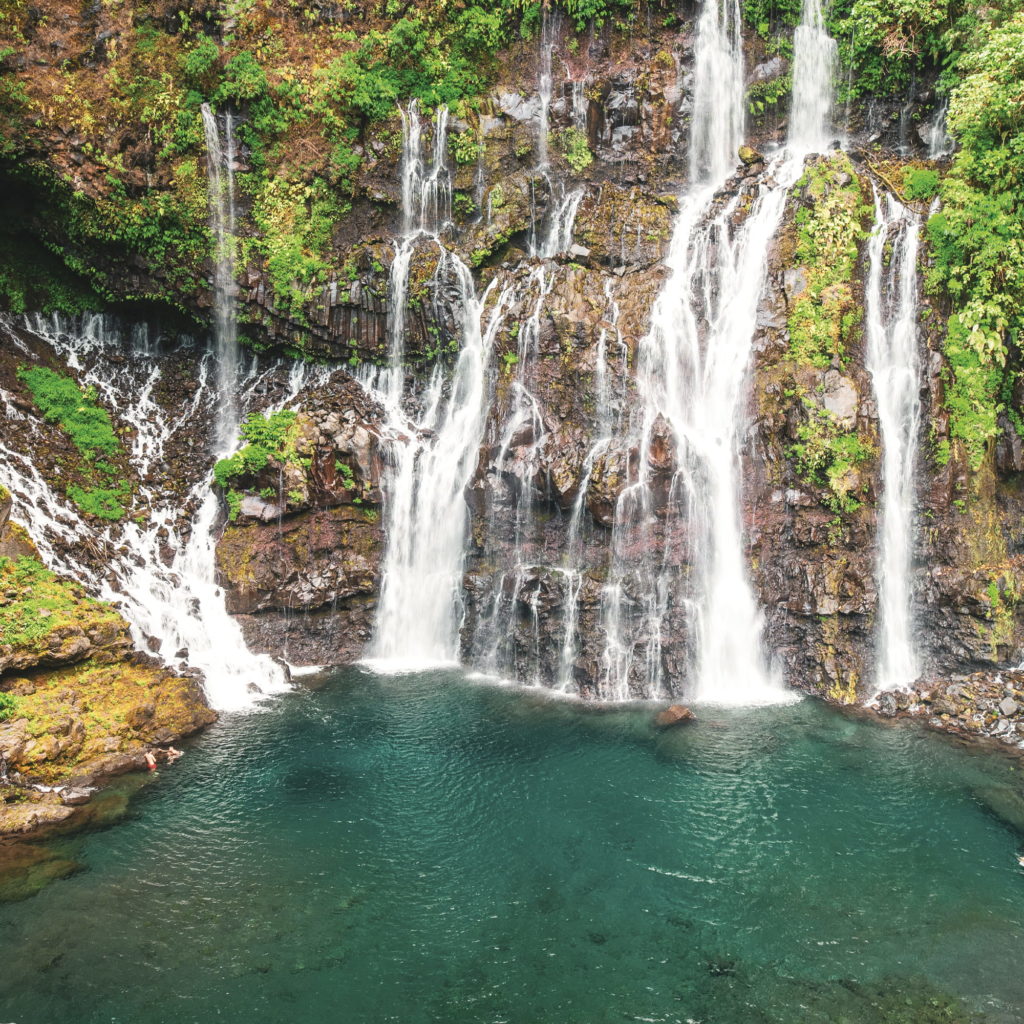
column 675, row 714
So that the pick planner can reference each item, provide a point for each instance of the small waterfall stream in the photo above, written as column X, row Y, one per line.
column 940, row 145
column 434, row 445
column 891, row 307
column 220, row 168
column 161, row 575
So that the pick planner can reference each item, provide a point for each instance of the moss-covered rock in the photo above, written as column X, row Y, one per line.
column 74, row 693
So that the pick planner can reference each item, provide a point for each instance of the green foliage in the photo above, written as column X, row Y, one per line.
column 920, row 183
column 103, row 502
column 234, row 500
column 62, row 401
column 765, row 96
column 574, row 147
column 296, row 221
column 883, row 42
column 267, row 437
column 830, row 229
column 244, row 79
column 465, row 146
column 977, row 238
column 8, row 706
column 198, row 62
column 348, row 479
column 828, row 455
column 773, row 21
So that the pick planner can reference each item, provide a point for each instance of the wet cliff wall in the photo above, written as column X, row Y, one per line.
column 320, row 170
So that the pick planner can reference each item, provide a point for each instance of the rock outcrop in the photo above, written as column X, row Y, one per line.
column 78, row 703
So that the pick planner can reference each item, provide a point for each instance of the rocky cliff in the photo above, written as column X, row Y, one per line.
column 607, row 153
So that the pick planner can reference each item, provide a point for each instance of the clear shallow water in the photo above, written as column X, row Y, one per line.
column 423, row 849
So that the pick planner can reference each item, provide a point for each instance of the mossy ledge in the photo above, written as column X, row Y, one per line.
column 78, row 704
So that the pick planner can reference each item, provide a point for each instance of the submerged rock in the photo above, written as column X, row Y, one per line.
column 675, row 714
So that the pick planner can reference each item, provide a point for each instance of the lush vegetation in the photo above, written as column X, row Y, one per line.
column 35, row 602
column 269, row 439
column 102, row 491
column 831, row 224
column 8, row 706
column 977, row 237
column 309, row 81
column 824, row 317
column 62, row 401
column 829, row 455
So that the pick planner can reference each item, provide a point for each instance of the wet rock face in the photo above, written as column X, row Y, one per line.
column 303, row 575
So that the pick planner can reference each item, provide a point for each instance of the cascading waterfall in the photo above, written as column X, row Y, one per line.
column 814, row 66
column 891, row 306
column 692, row 377
column 433, row 449
column 220, row 169
column 717, row 121
column 420, row 602
column 940, row 145
column 163, row 581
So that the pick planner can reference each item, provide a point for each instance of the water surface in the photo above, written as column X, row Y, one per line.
column 422, row 848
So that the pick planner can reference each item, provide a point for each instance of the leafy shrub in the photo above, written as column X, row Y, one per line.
column 62, row 401
column 977, row 237
column 267, row 437
column 920, row 183
column 575, row 148
column 8, row 706
column 828, row 455
column 198, row 62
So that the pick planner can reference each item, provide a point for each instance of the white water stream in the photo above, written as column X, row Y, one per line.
column 434, row 445
column 693, row 381
column 220, row 172
column 891, row 308
column 161, row 575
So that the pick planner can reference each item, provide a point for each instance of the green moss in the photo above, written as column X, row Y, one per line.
column 35, row 602
column 8, row 706
column 831, row 225
column 76, row 410
column 829, row 456
column 103, row 502
column 62, row 401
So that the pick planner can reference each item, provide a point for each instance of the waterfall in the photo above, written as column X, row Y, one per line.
column 434, row 454
column 548, row 31
column 559, row 234
column 940, row 145
column 891, row 307
column 433, row 445
column 814, row 64
column 718, row 105
column 692, row 378
column 220, row 170
column 160, row 572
